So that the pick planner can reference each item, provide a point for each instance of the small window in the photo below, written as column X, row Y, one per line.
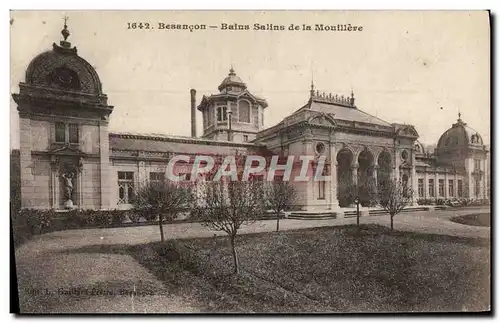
column 73, row 133
column 245, row 138
column 221, row 113
column 451, row 190
column 421, row 187
column 441, row 187
column 126, row 175
column 60, row 132
column 125, row 187
column 459, row 188
column 157, row 177
column 431, row 188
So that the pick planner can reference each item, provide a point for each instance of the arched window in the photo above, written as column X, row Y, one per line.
column 65, row 78
column 244, row 111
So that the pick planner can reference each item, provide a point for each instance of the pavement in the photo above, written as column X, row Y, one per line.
column 52, row 279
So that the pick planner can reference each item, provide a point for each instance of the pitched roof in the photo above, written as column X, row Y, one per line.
column 345, row 113
column 176, row 144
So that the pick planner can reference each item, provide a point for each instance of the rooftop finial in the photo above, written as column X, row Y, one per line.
column 231, row 71
column 65, row 33
column 459, row 115
column 351, row 100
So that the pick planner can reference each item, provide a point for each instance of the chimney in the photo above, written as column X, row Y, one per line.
column 193, row 113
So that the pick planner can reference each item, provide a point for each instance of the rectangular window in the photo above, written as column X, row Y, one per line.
column 125, row 187
column 157, row 177
column 244, row 111
column 221, row 113
column 441, row 187
column 321, row 190
column 477, row 187
column 60, row 132
column 421, row 187
column 73, row 133
column 431, row 187
column 459, row 188
column 451, row 188
column 245, row 138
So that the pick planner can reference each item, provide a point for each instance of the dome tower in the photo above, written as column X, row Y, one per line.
column 233, row 114
column 63, row 121
column 462, row 148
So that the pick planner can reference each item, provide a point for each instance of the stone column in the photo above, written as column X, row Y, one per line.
column 414, row 185
column 334, row 203
column 354, row 173
column 446, row 183
column 26, row 163
column 455, row 184
column 309, row 185
column 397, row 163
column 436, row 186
column 105, row 169
column 485, row 178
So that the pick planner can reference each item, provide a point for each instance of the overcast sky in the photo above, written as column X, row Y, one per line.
column 419, row 68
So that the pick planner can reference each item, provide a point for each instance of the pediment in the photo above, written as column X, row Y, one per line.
column 65, row 150
column 247, row 95
column 322, row 119
column 408, row 131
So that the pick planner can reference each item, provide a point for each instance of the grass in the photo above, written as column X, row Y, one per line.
column 479, row 219
column 329, row 269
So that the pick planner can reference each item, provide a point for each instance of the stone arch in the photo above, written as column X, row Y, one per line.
column 365, row 161
column 345, row 158
column 244, row 116
column 384, row 170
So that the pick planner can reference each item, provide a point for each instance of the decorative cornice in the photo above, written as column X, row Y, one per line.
column 330, row 98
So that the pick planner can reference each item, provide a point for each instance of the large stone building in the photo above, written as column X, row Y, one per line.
column 68, row 158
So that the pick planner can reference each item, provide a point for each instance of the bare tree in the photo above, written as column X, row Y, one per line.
column 279, row 196
column 226, row 206
column 163, row 200
column 393, row 197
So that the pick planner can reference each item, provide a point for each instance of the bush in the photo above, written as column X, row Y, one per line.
column 116, row 216
column 425, row 202
column 440, row 202
column 133, row 216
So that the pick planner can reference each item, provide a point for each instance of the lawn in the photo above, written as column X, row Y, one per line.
column 479, row 219
column 329, row 269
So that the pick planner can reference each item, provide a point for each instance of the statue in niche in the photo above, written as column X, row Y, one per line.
column 68, row 188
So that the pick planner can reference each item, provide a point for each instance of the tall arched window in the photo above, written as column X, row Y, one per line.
column 244, row 111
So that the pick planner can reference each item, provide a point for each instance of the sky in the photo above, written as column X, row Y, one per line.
column 418, row 68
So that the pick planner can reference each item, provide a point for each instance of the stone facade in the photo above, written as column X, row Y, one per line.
column 68, row 158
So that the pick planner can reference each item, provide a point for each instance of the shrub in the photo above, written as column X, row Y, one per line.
column 440, row 202
column 133, row 216
column 94, row 218
column 117, row 216
column 425, row 202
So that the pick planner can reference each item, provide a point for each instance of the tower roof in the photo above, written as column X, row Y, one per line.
column 459, row 135
column 62, row 68
column 232, row 80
